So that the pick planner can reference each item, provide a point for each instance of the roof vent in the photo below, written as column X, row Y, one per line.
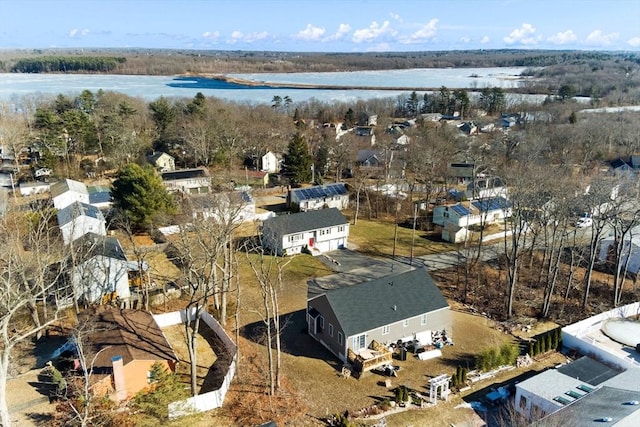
column 605, row 419
column 395, row 308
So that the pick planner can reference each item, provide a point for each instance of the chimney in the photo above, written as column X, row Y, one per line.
column 118, row 378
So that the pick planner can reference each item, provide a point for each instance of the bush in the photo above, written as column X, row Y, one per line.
column 494, row 357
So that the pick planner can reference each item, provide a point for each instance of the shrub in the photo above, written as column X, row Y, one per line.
column 493, row 357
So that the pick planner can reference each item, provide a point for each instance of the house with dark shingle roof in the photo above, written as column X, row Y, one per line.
column 101, row 269
column 78, row 218
column 387, row 309
column 126, row 344
column 193, row 181
column 319, row 197
column 317, row 231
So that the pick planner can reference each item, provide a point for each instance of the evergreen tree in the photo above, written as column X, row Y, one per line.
column 298, row 161
column 139, row 194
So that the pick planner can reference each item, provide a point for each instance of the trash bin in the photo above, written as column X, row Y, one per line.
column 403, row 353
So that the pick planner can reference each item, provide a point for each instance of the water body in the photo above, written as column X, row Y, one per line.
column 13, row 86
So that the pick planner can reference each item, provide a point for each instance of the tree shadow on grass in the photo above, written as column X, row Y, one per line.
column 294, row 338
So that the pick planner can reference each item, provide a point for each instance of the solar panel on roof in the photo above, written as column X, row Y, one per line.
column 460, row 210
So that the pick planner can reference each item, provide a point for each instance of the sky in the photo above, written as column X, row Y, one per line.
column 322, row 25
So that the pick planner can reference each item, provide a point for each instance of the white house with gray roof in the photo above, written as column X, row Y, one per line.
column 316, row 231
column 101, row 269
column 319, row 197
column 77, row 219
column 68, row 191
column 396, row 307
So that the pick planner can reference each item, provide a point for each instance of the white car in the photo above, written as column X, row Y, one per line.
column 584, row 222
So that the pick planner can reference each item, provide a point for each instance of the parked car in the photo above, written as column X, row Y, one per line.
column 584, row 222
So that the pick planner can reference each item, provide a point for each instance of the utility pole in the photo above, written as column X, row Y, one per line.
column 413, row 233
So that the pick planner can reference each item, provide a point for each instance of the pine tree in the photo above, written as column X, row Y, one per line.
column 139, row 194
column 298, row 161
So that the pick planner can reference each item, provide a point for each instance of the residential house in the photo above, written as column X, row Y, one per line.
column 630, row 251
column 510, row 120
column 193, row 181
column 455, row 220
column 319, row 197
column 365, row 132
column 225, row 207
column 101, row 270
column 123, row 347
column 31, row 188
column 100, row 196
column 625, row 166
column 389, row 309
column 486, row 187
column 462, row 173
column 371, row 158
column 269, row 163
column 77, row 219
column 600, row 388
column 468, row 128
column 316, row 231
column 584, row 383
column 68, row 191
column 162, row 161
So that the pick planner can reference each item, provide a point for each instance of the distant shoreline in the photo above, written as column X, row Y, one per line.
column 253, row 83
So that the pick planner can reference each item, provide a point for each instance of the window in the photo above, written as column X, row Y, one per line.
column 405, row 323
column 423, row 319
column 340, row 228
column 339, row 337
column 330, row 330
column 523, row 402
column 321, row 322
column 359, row 342
column 386, row 329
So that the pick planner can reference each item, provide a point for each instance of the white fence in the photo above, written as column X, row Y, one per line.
column 213, row 399
column 575, row 336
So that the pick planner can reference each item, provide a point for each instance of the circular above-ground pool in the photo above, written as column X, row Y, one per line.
column 622, row 330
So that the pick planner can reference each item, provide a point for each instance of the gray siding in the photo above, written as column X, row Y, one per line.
column 330, row 342
column 436, row 321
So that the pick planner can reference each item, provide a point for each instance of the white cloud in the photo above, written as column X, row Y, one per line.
column 522, row 35
column 253, row 37
column 563, row 37
column 425, row 33
column 485, row 40
column 310, row 33
column 213, row 36
column 78, row 33
column 634, row 42
column 597, row 37
column 343, row 30
column 396, row 17
column 372, row 32
column 236, row 36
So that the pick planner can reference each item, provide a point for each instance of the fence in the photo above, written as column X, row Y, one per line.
column 575, row 336
column 213, row 399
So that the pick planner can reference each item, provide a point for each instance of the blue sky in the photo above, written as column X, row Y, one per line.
column 322, row 25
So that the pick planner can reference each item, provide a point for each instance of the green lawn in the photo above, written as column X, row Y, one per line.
column 376, row 238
